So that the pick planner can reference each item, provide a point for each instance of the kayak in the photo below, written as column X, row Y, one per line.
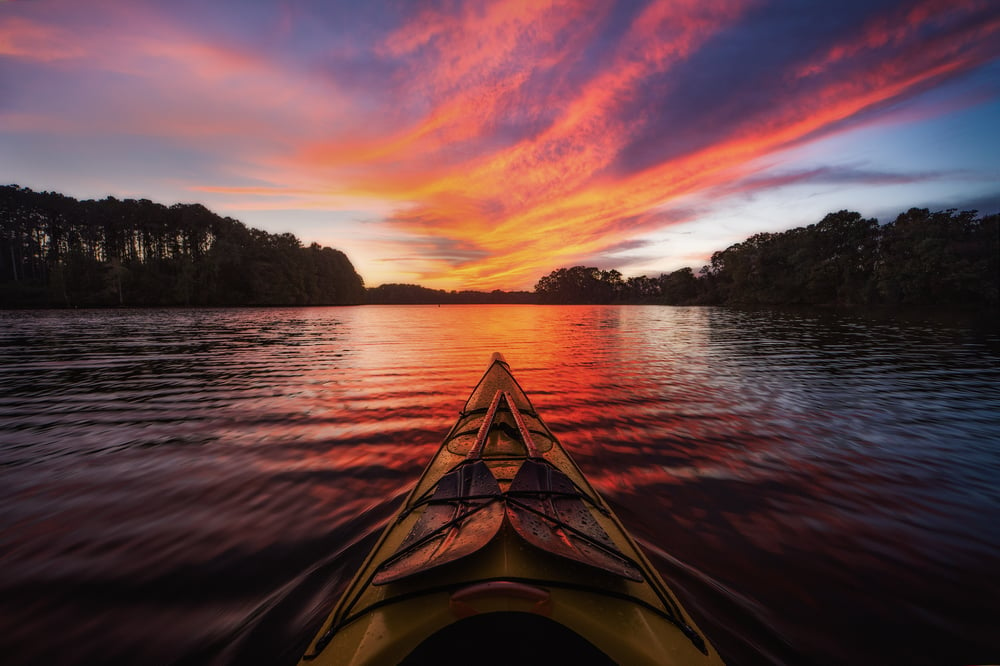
column 504, row 553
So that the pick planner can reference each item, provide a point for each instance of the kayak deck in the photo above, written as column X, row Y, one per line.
column 501, row 537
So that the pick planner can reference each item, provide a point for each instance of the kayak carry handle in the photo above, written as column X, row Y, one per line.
column 461, row 601
column 484, row 429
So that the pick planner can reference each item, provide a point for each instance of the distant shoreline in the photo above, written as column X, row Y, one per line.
column 60, row 253
column 867, row 311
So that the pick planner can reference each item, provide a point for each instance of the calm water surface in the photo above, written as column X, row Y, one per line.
column 197, row 486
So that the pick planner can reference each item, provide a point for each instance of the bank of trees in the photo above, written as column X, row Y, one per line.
column 58, row 251
column 920, row 258
column 412, row 294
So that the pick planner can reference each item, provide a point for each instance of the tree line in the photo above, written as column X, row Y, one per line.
column 412, row 294
column 58, row 251
column 920, row 258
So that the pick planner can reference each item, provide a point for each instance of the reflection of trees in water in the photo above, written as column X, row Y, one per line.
column 55, row 250
column 868, row 336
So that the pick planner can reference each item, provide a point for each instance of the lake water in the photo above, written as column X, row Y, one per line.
column 191, row 486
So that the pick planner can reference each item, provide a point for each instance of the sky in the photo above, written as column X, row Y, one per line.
column 482, row 145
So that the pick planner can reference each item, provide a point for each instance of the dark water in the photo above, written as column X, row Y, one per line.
column 196, row 486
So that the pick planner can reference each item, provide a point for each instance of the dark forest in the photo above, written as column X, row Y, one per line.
column 921, row 258
column 58, row 251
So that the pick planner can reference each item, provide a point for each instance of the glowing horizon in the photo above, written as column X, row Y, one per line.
column 485, row 145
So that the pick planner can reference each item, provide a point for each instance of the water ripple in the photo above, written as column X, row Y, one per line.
column 198, row 485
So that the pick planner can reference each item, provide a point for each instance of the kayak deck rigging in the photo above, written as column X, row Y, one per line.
column 468, row 507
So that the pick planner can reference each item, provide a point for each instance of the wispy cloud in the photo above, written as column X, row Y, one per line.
column 831, row 175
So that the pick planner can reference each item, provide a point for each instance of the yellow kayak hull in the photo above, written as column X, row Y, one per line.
column 507, row 588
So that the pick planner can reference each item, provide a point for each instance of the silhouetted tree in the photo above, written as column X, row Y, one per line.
column 679, row 287
column 581, row 284
column 411, row 294
column 922, row 258
column 939, row 257
column 55, row 250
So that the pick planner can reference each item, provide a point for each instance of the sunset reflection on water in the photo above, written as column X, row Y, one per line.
column 820, row 488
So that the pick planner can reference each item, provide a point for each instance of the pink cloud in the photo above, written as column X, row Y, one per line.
column 31, row 40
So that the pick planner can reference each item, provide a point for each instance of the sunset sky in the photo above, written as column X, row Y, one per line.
column 484, row 144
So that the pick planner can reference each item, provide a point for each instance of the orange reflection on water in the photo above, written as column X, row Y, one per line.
column 779, row 467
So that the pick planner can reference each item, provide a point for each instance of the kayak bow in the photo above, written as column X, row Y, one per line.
column 503, row 537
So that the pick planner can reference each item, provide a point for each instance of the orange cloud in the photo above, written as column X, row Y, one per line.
column 899, row 28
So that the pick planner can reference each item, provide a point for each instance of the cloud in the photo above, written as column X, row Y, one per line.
column 766, row 85
column 30, row 40
column 619, row 255
column 150, row 76
column 828, row 175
